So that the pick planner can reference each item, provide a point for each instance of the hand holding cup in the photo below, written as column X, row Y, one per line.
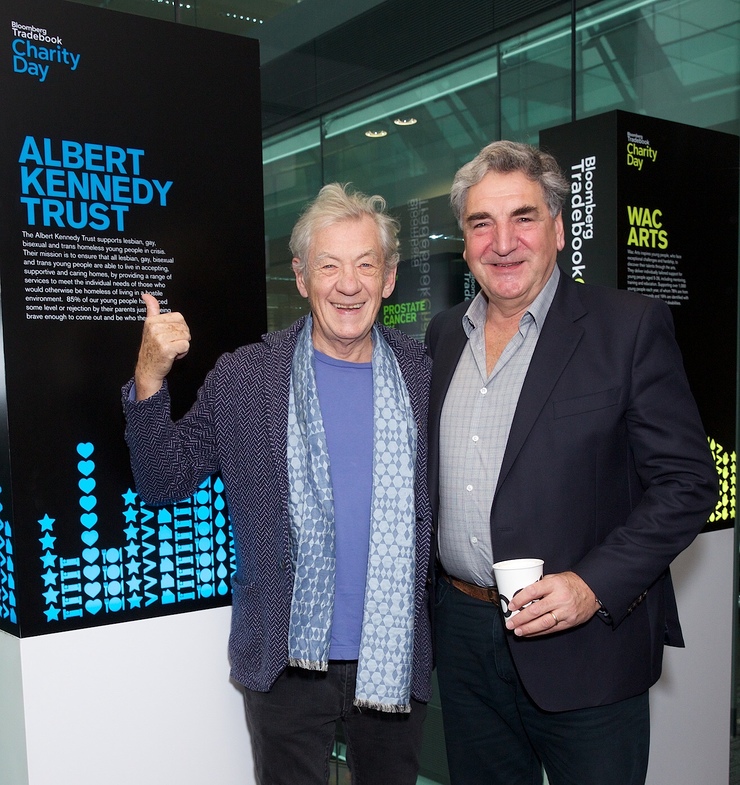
column 512, row 576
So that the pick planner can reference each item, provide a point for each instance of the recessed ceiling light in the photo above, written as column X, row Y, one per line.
column 376, row 134
column 405, row 121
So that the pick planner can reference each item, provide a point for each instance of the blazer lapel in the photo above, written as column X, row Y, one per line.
column 560, row 335
column 447, row 353
column 446, row 356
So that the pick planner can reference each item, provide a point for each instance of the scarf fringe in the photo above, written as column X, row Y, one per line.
column 309, row 665
column 388, row 708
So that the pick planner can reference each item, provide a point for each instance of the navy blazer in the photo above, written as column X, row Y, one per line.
column 607, row 472
column 238, row 426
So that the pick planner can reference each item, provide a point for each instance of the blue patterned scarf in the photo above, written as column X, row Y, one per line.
column 386, row 644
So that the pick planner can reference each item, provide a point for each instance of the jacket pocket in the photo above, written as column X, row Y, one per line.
column 567, row 407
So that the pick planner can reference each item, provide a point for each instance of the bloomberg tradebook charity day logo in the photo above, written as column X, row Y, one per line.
column 34, row 51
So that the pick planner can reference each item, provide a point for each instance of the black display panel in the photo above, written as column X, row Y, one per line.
column 130, row 161
column 654, row 209
column 432, row 274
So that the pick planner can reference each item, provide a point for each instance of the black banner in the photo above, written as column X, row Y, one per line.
column 432, row 274
column 653, row 209
column 130, row 161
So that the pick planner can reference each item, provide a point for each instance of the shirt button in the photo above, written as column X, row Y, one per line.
column 468, row 487
column 483, row 390
column 475, row 438
column 474, row 540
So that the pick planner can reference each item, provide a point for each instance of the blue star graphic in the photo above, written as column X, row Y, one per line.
column 133, row 584
column 48, row 559
column 52, row 614
column 131, row 532
column 133, row 566
column 129, row 497
column 134, row 601
column 130, row 514
column 132, row 549
column 50, row 577
column 47, row 542
column 47, row 523
column 50, row 595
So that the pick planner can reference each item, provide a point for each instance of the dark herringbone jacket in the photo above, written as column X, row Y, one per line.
column 237, row 427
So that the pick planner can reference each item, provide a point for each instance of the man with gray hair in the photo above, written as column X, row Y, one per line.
column 319, row 434
column 561, row 427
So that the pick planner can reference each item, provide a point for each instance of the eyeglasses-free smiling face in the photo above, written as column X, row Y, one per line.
column 345, row 283
column 511, row 240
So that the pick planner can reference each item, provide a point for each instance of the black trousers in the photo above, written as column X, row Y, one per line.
column 496, row 735
column 292, row 730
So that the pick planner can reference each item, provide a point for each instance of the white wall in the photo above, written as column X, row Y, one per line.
column 150, row 702
column 691, row 703
column 13, row 769
column 147, row 702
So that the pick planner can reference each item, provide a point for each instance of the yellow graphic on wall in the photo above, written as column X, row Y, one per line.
column 726, row 463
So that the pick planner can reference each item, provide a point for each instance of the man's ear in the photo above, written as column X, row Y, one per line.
column 389, row 284
column 559, row 232
column 300, row 280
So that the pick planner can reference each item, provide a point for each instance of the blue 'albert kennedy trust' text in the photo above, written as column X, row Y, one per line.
column 82, row 185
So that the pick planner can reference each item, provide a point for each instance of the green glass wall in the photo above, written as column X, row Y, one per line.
column 677, row 59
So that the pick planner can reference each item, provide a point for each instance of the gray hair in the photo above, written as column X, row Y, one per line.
column 336, row 203
column 505, row 157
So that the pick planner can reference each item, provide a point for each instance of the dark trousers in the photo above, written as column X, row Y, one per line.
column 292, row 731
column 496, row 735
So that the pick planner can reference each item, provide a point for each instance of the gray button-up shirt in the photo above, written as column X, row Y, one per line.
column 476, row 420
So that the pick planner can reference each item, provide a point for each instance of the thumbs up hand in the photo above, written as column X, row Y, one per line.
column 166, row 338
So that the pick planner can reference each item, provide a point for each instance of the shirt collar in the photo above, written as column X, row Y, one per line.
column 475, row 316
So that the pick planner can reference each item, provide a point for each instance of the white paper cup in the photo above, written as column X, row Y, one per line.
column 512, row 576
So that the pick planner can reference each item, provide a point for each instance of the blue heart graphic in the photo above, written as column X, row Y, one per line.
column 92, row 589
column 85, row 449
column 86, row 467
column 90, row 555
column 89, row 538
column 91, row 572
column 88, row 519
column 86, row 484
column 88, row 502
column 93, row 606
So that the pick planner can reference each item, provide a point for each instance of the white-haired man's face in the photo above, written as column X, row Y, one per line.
column 345, row 282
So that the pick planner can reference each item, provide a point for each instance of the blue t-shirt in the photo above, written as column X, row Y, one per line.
column 346, row 397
